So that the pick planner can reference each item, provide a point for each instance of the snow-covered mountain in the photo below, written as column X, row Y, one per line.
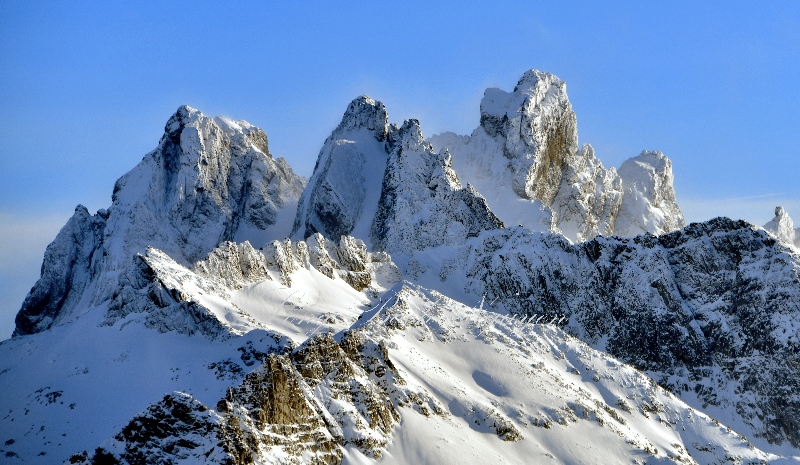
column 711, row 312
column 223, row 311
column 208, row 181
column 385, row 184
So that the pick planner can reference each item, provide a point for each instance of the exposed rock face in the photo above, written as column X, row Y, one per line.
column 524, row 159
column 539, row 130
column 422, row 202
column 589, row 198
column 71, row 261
column 178, row 429
column 209, row 181
column 782, row 227
column 711, row 311
column 385, row 184
column 298, row 408
column 649, row 202
column 343, row 192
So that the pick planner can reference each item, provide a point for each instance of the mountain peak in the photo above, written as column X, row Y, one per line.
column 182, row 116
column 782, row 227
column 534, row 78
column 364, row 112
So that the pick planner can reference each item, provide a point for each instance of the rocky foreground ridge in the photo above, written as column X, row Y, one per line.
column 223, row 311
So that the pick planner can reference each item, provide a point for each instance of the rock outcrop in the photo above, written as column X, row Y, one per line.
column 648, row 205
column 303, row 407
column 589, row 198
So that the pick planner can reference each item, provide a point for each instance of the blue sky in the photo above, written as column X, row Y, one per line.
column 85, row 90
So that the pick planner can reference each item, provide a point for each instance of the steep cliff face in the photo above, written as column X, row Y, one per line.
column 385, row 184
column 539, row 132
column 524, row 159
column 711, row 311
column 342, row 194
column 70, row 264
column 422, row 202
column 209, row 181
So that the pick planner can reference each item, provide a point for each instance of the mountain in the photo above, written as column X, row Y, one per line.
column 208, row 181
column 524, row 158
column 391, row 310
column 424, row 379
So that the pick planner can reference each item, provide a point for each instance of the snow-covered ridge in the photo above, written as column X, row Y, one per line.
column 167, row 296
column 524, row 159
column 424, row 379
column 711, row 312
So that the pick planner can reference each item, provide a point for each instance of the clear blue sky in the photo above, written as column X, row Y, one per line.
column 85, row 90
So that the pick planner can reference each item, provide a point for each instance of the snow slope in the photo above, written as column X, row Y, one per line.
column 711, row 312
column 424, row 379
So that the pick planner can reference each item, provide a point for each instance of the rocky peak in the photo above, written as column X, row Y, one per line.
column 526, row 148
column 208, row 181
column 422, row 201
column 540, row 131
column 649, row 203
column 342, row 194
column 364, row 112
column 782, row 227
column 389, row 188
